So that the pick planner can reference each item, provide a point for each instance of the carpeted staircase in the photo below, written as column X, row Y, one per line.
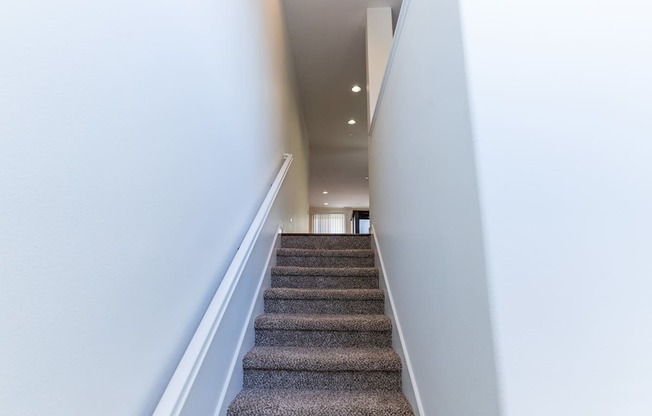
column 323, row 346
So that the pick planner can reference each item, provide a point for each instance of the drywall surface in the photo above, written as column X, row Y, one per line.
column 398, row 341
column 561, row 97
column 378, row 38
column 220, row 377
column 426, row 214
column 137, row 141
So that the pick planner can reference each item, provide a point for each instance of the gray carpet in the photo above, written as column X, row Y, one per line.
column 323, row 346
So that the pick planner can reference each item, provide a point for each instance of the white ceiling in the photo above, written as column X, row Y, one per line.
column 328, row 41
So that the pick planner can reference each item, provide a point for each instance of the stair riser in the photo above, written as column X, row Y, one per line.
column 340, row 307
column 331, row 242
column 322, row 403
column 325, row 282
column 280, row 338
column 327, row 380
column 309, row 261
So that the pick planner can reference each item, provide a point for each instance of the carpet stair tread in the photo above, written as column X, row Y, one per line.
column 322, row 322
column 324, row 271
column 301, row 252
column 324, row 294
column 326, row 241
column 322, row 359
column 278, row 402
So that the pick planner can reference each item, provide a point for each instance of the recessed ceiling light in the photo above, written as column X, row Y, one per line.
column 356, row 88
column 325, row 203
column 366, row 177
column 352, row 121
column 350, row 134
column 325, row 192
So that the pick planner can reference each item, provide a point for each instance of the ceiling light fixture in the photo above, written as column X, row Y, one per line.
column 356, row 88
column 366, row 177
column 352, row 121
column 325, row 192
column 325, row 203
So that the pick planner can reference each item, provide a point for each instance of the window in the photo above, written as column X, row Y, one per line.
column 329, row 223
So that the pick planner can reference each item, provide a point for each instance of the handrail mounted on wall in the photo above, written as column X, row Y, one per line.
column 180, row 385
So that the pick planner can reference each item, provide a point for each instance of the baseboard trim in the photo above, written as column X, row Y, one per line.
column 412, row 392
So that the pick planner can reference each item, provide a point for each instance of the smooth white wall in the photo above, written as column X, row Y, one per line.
column 426, row 214
column 137, row 140
column 562, row 97
column 378, row 36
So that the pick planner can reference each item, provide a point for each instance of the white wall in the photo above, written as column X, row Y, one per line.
column 379, row 36
column 137, row 140
column 561, row 96
column 426, row 214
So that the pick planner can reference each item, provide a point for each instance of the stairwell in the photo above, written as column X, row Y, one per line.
column 323, row 346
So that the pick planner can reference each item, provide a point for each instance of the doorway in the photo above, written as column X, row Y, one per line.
column 361, row 222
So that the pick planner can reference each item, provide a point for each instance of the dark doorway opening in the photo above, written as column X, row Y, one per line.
column 361, row 222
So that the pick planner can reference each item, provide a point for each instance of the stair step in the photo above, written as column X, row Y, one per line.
column 322, row 380
column 325, row 301
column 326, row 241
column 278, row 402
column 322, row 359
column 324, row 294
column 324, row 258
column 325, row 277
column 324, row 271
column 322, row 368
column 316, row 322
column 296, row 330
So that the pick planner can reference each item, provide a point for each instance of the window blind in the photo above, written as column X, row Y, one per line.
column 329, row 223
